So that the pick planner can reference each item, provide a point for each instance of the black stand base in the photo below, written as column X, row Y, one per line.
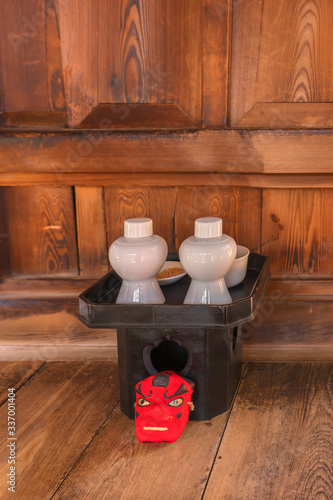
column 212, row 358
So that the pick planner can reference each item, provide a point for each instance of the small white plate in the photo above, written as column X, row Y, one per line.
column 172, row 279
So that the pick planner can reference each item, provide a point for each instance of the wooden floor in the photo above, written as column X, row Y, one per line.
column 73, row 442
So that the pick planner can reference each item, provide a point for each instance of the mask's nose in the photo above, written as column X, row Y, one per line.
column 157, row 414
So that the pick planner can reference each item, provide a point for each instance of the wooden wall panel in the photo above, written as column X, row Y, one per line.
column 174, row 211
column 41, row 230
column 216, row 47
column 91, row 231
column 128, row 51
column 280, row 54
column 4, row 246
column 31, row 72
column 239, row 209
column 122, row 204
column 157, row 203
column 297, row 231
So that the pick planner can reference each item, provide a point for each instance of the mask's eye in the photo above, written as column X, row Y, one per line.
column 143, row 402
column 176, row 402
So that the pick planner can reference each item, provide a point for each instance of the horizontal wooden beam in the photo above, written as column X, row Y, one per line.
column 133, row 180
column 39, row 320
column 232, row 151
column 31, row 289
column 63, row 353
column 37, row 288
column 290, row 332
column 301, row 290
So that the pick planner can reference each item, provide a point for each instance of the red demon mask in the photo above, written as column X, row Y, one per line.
column 163, row 403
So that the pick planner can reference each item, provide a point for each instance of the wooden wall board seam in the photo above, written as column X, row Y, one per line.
column 228, row 116
column 76, row 229
column 135, row 180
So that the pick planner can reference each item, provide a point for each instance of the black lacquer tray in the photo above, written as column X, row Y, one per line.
column 99, row 310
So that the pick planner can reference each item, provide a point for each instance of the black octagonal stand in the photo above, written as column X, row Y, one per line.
column 200, row 342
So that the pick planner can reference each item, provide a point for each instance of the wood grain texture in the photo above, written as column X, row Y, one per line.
column 83, row 32
column 279, row 54
column 216, row 46
column 15, row 374
column 134, row 470
column 288, row 115
column 4, row 243
column 143, row 52
column 91, row 231
column 58, row 413
column 42, row 230
column 297, row 232
column 133, row 180
column 278, row 442
column 232, row 151
column 31, row 70
column 159, row 203
column 239, row 209
column 122, row 204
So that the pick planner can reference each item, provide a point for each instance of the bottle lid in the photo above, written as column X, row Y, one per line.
column 138, row 228
column 208, row 227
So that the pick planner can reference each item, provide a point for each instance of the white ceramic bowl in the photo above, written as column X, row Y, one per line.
column 172, row 279
column 237, row 272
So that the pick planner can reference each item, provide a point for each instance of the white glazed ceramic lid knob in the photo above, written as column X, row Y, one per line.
column 208, row 227
column 138, row 228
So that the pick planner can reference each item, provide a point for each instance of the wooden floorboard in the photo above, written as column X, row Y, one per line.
column 58, row 413
column 279, row 440
column 117, row 466
column 73, row 442
column 15, row 374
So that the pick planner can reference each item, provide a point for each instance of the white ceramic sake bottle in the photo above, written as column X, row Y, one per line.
column 207, row 257
column 137, row 257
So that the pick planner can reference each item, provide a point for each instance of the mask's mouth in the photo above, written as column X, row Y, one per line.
column 155, row 428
